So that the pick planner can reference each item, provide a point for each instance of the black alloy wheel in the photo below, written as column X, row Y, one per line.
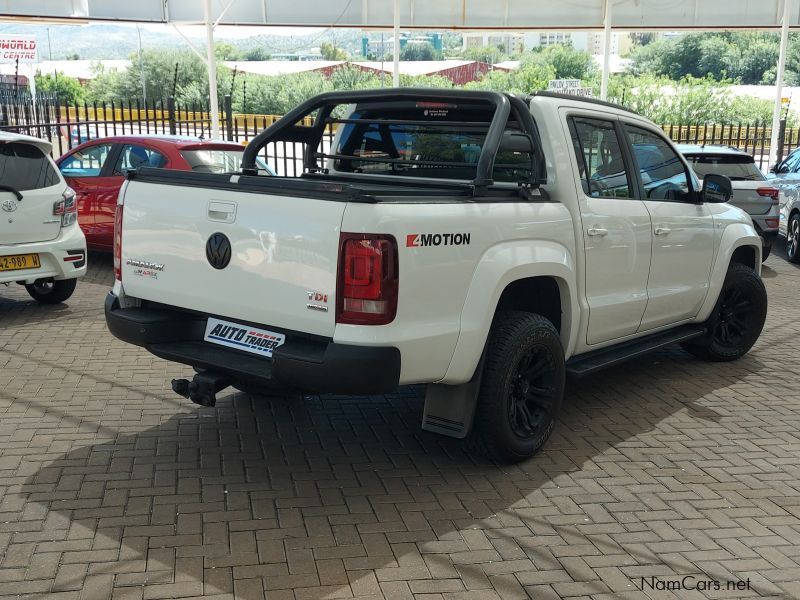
column 534, row 393
column 793, row 239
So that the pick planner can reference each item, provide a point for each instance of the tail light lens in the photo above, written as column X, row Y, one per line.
column 66, row 208
column 368, row 279
column 118, row 243
column 769, row 192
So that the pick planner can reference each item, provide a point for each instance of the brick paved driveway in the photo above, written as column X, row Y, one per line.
column 113, row 486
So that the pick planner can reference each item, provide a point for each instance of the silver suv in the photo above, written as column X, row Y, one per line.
column 751, row 190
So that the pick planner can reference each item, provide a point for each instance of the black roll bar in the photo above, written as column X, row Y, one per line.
column 287, row 129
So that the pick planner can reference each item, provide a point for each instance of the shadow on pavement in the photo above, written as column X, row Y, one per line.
column 328, row 491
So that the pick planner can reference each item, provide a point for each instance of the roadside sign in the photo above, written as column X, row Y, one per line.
column 20, row 48
column 569, row 86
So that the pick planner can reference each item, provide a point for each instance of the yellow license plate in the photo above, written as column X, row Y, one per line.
column 15, row 262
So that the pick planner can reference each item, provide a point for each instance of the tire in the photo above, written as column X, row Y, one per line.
column 737, row 319
column 49, row 291
column 793, row 239
column 766, row 249
column 512, row 421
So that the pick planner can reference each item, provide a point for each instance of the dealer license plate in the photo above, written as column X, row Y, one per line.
column 243, row 337
column 15, row 262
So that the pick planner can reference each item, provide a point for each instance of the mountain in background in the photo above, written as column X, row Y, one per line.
column 108, row 41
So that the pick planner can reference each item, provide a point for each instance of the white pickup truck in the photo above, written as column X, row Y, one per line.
column 482, row 243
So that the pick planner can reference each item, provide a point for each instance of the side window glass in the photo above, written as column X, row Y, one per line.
column 87, row 162
column 664, row 176
column 132, row 157
column 602, row 168
column 793, row 162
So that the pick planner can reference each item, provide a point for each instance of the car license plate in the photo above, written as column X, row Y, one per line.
column 243, row 337
column 15, row 262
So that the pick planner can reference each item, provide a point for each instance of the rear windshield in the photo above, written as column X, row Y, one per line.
column 25, row 167
column 734, row 166
column 220, row 161
column 438, row 140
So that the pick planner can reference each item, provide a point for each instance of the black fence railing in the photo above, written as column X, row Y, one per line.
column 66, row 126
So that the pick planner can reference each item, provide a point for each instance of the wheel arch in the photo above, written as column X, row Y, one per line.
column 739, row 244
column 527, row 275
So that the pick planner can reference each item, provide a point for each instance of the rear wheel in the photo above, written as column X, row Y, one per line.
column 793, row 239
column 737, row 319
column 522, row 387
column 50, row 291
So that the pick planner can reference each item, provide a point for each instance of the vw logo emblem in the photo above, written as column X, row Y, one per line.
column 9, row 205
column 218, row 250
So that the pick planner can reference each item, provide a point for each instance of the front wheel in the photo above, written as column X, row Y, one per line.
column 50, row 291
column 737, row 318
column 793, row 239
column 522, row 387
column 766, row 248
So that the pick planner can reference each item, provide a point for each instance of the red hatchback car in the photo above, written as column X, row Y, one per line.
column 96, row 170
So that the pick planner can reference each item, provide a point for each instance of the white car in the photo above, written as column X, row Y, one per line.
column 786, row 176
column 482, row 243
column 41, row 245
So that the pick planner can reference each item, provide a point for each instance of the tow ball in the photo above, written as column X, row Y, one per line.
column 203, row 387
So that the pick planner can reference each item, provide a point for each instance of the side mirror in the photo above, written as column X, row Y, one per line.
column 779, row 168
column 716, row 188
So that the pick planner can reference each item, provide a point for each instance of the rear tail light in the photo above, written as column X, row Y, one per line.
column 769, row 192
column 771, row 223
column 368, row 279
column 118, row 243
column 66, row 208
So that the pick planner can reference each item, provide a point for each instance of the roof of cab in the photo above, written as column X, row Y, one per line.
column 6, row 137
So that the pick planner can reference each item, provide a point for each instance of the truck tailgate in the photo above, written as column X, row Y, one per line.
column 282, row 249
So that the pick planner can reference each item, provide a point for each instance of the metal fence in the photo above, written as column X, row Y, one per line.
column 67, row 126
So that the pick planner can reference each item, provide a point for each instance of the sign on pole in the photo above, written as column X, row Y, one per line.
column 20, row 48
column 569, row 86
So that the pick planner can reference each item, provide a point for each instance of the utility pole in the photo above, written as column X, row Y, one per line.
column 212, row 73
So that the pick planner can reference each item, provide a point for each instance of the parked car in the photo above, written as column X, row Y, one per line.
column 41, row 245
column 786, row 176
column 96, row 170
column 751, row 190
column 487, row 274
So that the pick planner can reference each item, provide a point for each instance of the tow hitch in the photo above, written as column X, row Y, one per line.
column 203, row 387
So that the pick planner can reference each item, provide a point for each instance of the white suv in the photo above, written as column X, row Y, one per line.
column 41, row 245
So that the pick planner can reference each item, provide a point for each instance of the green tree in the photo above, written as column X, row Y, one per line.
column 66, row 89
column 256, row 54
column 225, row 51
column 330, row 52
column 420, row 51
column 487, row 54
column 567, row 62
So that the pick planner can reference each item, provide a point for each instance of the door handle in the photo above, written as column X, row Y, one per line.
column 597, row 231
column 661, row 230
column 224, row 212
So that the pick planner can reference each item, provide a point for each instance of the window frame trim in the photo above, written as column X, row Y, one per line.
column 634, row 187
column 687, row 171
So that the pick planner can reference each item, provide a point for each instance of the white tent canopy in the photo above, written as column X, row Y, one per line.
column 484, row 15
column 443, row 14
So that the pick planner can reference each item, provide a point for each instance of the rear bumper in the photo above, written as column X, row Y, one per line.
column 308, row 365
column 767, row 235
column 61, row 258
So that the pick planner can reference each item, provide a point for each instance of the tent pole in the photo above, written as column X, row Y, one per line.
column 606, row 50
column 776, row 111
column 396, row 69
column 212, row 73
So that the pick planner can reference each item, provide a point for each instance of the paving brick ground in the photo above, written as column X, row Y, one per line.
column 111, row 486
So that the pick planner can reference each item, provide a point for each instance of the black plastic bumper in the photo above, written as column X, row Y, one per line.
column 304, row 364
column 767, row 236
